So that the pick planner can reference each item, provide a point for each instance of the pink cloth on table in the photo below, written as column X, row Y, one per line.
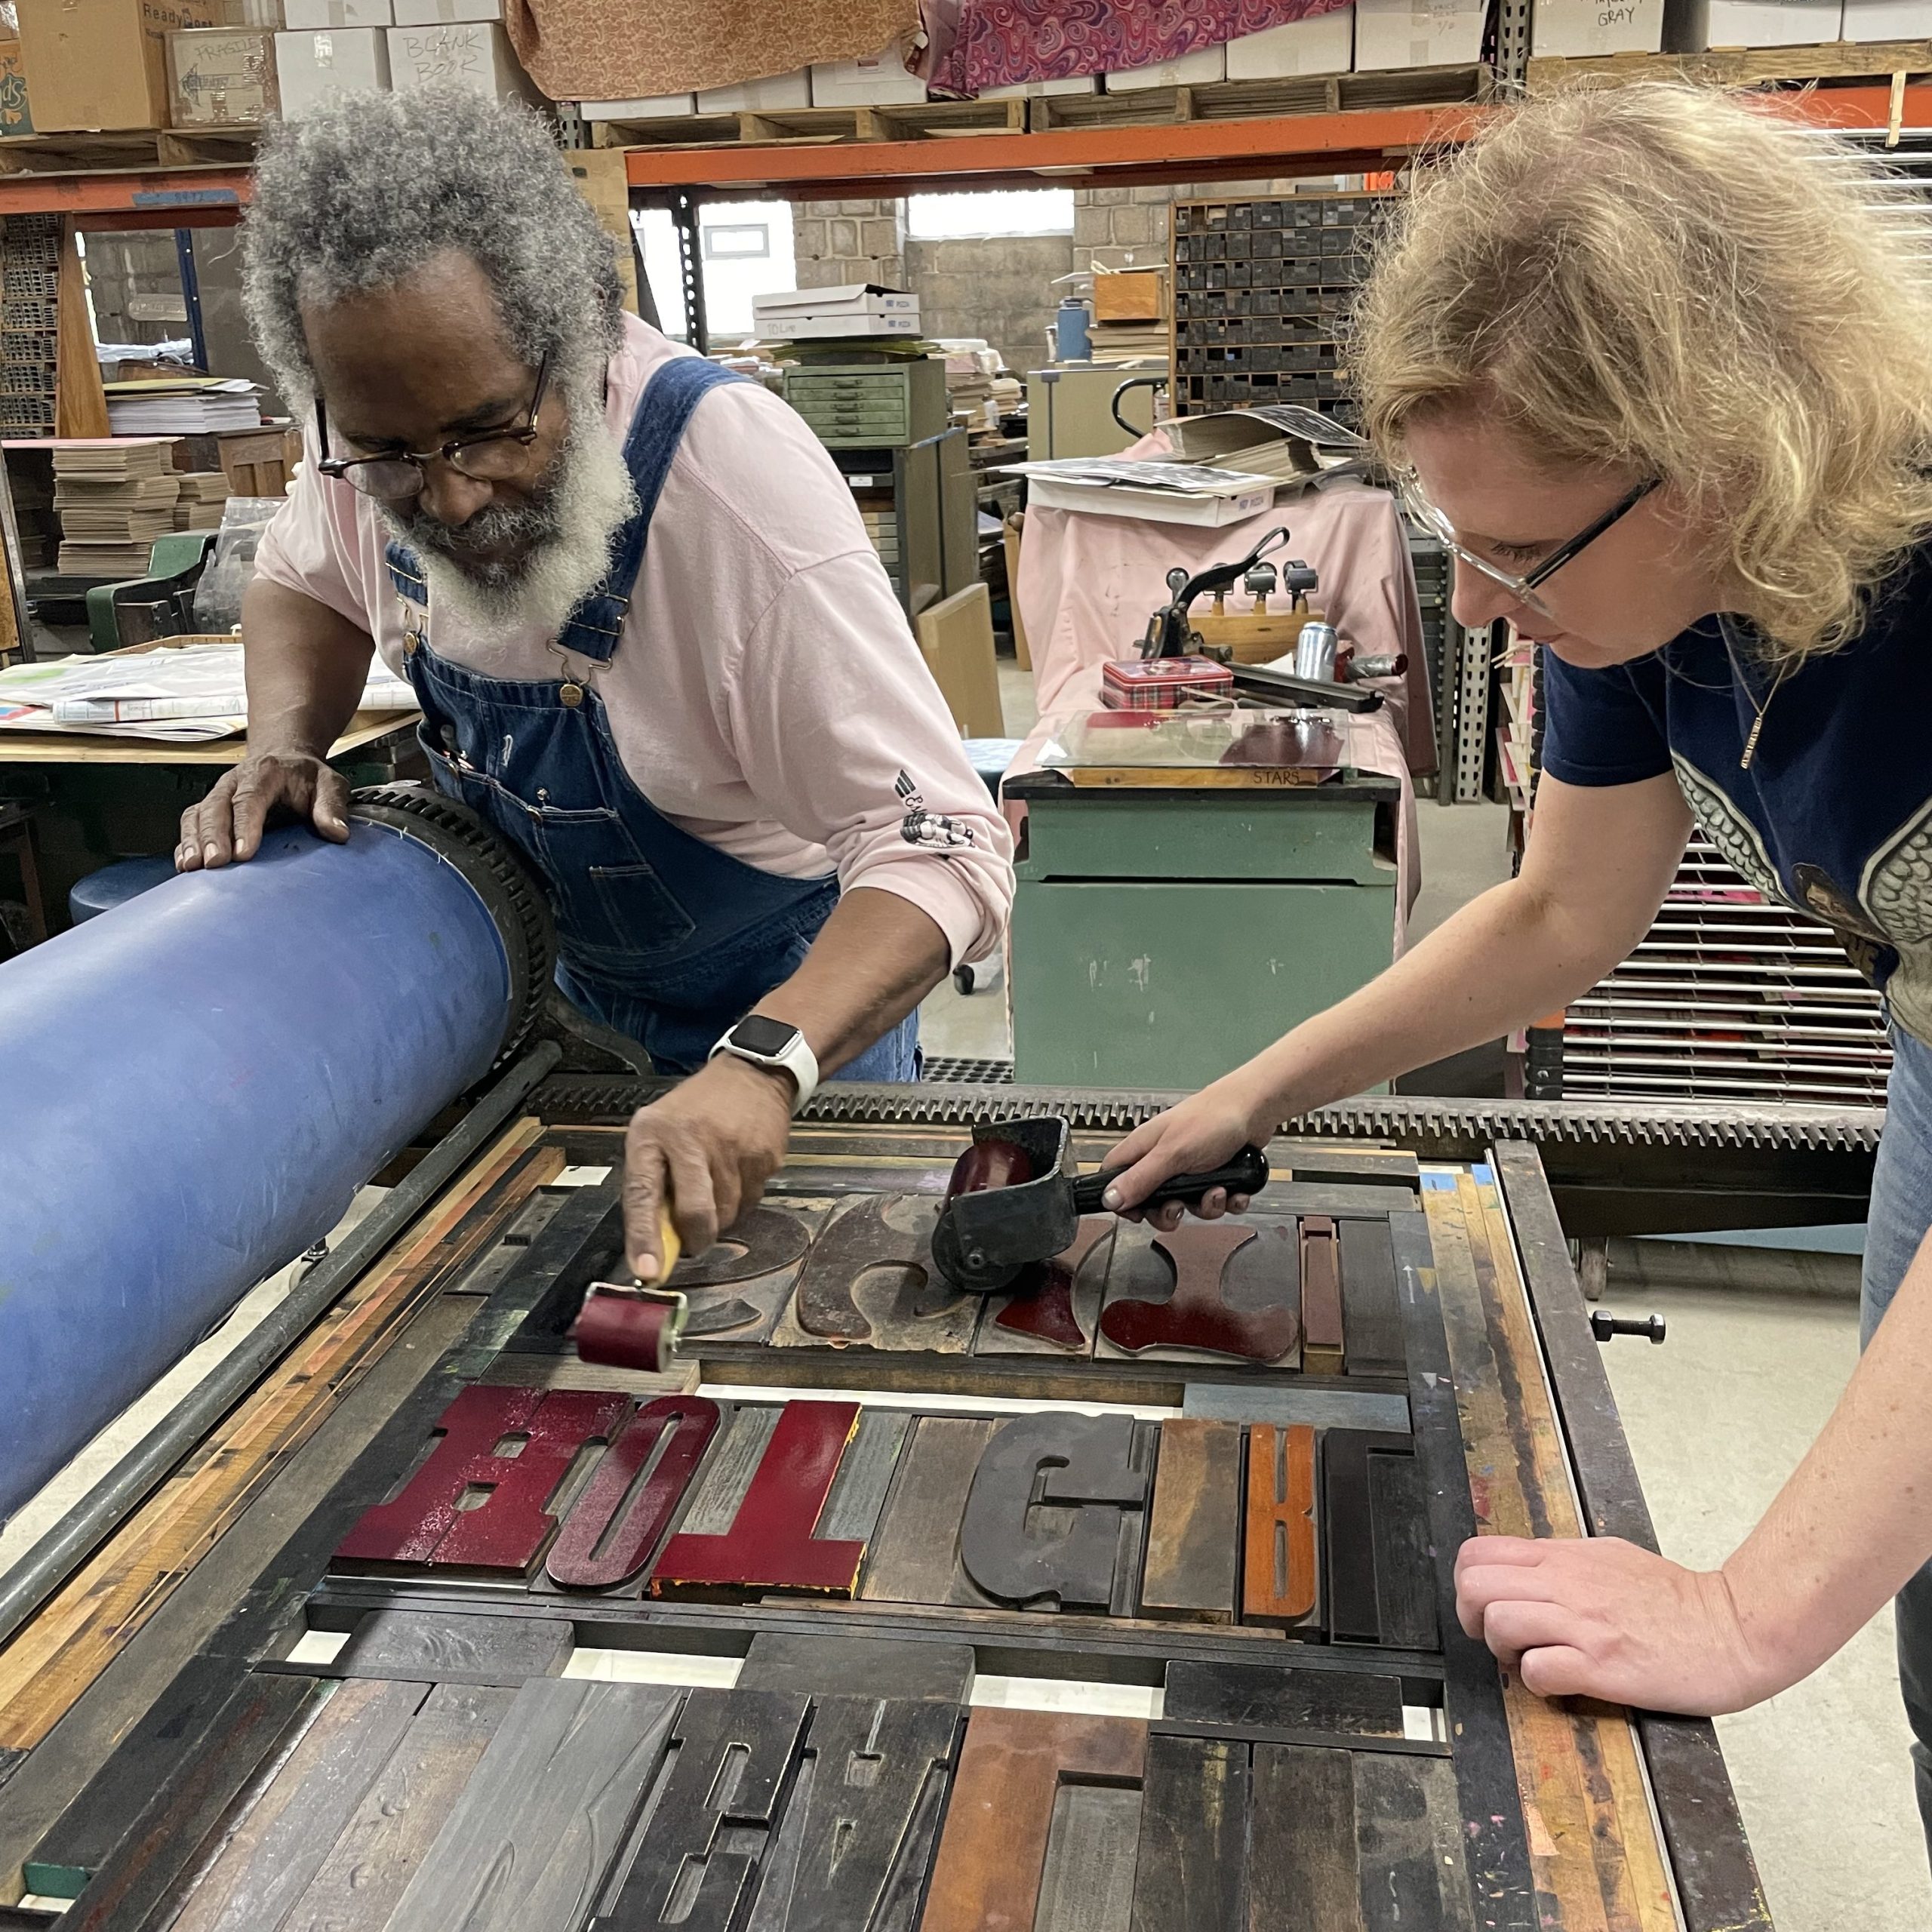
column 973, row 45
column 1088, row 584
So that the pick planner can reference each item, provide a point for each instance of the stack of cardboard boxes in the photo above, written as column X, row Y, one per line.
column 334, row 46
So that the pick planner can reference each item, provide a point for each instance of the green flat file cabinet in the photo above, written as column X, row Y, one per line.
column 1162, row 937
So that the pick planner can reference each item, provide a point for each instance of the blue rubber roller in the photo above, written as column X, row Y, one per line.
column 193, row 1085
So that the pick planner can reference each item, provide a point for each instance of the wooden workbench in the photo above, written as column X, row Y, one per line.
column 86, row 748
column 186, row 1740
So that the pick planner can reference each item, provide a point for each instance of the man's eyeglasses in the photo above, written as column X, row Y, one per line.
column 1522, row 589
column 493, row 456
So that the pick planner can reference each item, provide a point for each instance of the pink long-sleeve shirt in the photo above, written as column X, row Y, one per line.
column 766, row 694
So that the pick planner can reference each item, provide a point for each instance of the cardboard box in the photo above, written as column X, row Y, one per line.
column 835, row 328
column 103, row 63
column 222, row 76
column 473, row 54
column 312, row 68
column 445, row 13
column 307, row 15
column 880, row 80
column 1417, row 33
column 1596, row 27
column 1039, row 89
column 1887, row 19
column 650, row 107
column 1131, row 295
column 16, row 116
column 1705, row 23
column 1191, row 70
column 1324, row 44
column 773, row 94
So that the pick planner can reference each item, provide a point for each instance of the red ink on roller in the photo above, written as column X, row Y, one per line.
column 630, row 1328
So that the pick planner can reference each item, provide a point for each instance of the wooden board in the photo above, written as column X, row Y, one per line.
column 1192, row 1848
column 456, row 1647
column 532, row 1838
column 1194, row 1522
column 995, row 1851
column 1371, row 1318
column 916, row 1555
column 956, row 640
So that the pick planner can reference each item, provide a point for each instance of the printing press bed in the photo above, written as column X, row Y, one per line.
column 1125, row 1604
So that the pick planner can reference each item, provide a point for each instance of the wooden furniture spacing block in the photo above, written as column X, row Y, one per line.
column 1280, row 1579
column 1371, row 1314
column 1020, row 1772
column 1302, row 1862
column 870, row 1279
column 599, row 1548
column 1090, row 1473
column 1322, row 1334
column 1193, row 1839
column 1198, row 1314
column 1409, row 1842
column 1194, row 1523
column 915, row 1554
column 1050, row 1313
column 1268, row 1697
column 362, row 1878
column 838, row 1666
column 711, row 1820
column 532, row 1838
column 1380, row 1578
column 437, row 1647
column 770, row 1545
column 853, row 1853
column 515, row 1445
column 267, row 1863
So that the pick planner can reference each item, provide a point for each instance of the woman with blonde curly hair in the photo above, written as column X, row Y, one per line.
column 1655, row 364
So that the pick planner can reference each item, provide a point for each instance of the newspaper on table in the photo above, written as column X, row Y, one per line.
column 183, row 696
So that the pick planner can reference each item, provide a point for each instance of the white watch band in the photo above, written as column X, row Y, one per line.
column 796, row 1058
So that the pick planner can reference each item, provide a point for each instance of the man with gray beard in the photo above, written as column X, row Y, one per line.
column 653, row 646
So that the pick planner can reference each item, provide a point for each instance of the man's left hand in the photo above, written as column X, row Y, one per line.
column 1602, row 1618
column 717, row 1138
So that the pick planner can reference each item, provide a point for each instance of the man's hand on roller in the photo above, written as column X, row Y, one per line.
column 1204, row 1132
column 228, row 824
column 714, row 1141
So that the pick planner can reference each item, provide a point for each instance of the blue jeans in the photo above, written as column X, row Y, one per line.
column 1901, row 1212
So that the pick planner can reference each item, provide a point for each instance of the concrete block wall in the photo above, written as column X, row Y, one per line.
column 837, row 242
column 1129, row 227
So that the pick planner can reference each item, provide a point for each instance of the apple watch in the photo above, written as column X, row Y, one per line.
column 771, row 1043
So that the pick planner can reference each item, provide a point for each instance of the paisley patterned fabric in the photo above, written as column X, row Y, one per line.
column 627, row 50
column 973, row 45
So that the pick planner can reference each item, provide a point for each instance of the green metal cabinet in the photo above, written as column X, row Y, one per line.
column 1160, row 937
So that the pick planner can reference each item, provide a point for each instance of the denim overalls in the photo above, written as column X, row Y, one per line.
column 663, row 937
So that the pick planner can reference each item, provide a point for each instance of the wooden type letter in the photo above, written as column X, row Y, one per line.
column 862, row 1238
column 515, row 1445
column 1279, row 1582
column 599, row 1548
column 915, row 1554
column 851, row 1849
column 1372, row 1552
column 1193, row 1836
column 1371, row 1315
column 710, row 1822
column 1048, row 1315
column 535, row 1833
column 1015, row 1769
column 1321, row 1331
column 770, row 1545
column 1198, row 1314
column 281, row 1844
column 1301, row 1863
column 1194, row 1526
column 1018, row 1554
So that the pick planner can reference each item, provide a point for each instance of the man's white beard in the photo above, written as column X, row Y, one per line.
column 587, row 501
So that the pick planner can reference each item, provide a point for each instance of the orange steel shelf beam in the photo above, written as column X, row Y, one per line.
column 1363, row 139
column 1345, row 143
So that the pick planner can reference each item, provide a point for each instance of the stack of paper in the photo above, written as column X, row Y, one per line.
column 183, row 406
column 199, row 506
column 1163, row 492
column 113, row 501
column 191, row 692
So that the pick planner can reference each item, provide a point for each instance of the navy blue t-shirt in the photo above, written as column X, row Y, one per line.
column 1834, row 813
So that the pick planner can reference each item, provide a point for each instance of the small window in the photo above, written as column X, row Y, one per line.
column 737, row 241
column 1009, row 211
